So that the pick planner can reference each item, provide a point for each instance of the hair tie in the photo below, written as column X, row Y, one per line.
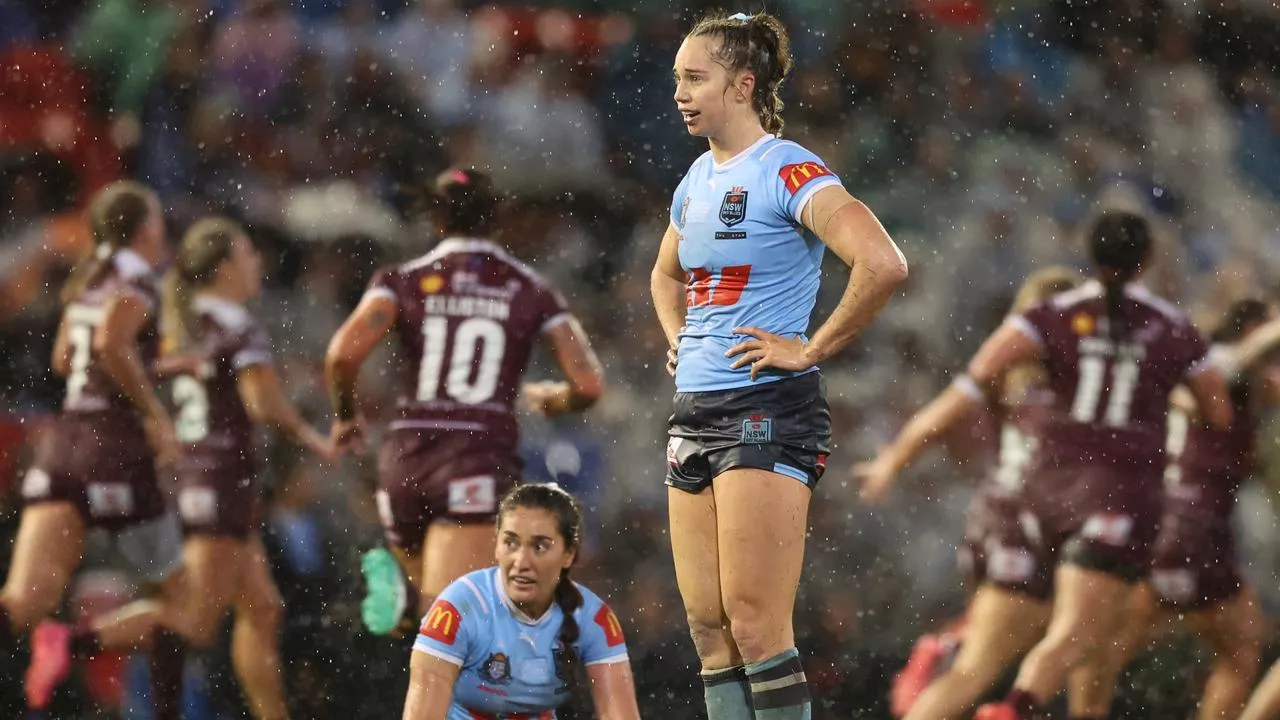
column 741, row 17
column 460, row 177
column 103, row 251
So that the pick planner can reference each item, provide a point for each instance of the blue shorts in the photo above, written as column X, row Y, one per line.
column 783, row 427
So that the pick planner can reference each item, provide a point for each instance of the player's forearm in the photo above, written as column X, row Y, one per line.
column 871, row 284
column 340, row 378
column 926, row 426
column 669, row 302
column 125, row 369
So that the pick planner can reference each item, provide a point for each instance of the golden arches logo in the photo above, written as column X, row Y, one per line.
column 798, row 175
column 441, row 622
column 612, row 628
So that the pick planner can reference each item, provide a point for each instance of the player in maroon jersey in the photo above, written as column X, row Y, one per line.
column 1194, row 575
column 1114, row 352
column 467, row 315
column 1010, row 605
column 97, row 466
column 225, row 565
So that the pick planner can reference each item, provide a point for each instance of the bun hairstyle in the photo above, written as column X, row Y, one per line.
column 464, row 202
column 1119, row 244
column 115, row 215
column 757, row 44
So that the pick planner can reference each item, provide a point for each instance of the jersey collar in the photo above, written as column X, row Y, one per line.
column 737, row 160
column 469, row 244
column 231, row 314
column 130, row 264
column 516, row 612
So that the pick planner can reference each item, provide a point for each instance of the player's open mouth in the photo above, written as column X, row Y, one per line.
column 689, row 115
column 527, row 582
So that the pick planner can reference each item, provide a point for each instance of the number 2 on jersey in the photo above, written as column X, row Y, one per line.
column 193, row 409
column 459, row 383
column 1124, row 380
column 704, row 288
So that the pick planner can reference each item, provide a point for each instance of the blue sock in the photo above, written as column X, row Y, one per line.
column 779, row 690
column 727, row 694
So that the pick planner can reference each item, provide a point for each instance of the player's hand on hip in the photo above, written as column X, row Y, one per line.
column 673, row 357
column 767, row 350
column 875, row 478
column 544, row 397
column 347, row 435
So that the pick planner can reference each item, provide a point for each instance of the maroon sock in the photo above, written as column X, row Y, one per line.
column 168, row 653
column 85, row 642
column 1024, row 703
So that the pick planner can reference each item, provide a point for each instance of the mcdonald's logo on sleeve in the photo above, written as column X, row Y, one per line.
column 441, row 623
column 798, row 175
column 612, row 628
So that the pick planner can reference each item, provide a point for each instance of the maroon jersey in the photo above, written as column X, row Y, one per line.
column 89, row 388
column 1209, row 464
column 211, row 419
column 469, row 315
column 1110, row 400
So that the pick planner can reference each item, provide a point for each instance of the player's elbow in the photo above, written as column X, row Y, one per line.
column 892, row 269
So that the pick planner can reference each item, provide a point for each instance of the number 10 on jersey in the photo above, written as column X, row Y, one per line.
column 724, row 288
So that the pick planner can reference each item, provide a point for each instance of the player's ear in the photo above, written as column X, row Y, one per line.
column 569, row 556
column 745, row 83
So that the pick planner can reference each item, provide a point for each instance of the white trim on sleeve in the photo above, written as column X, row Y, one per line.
column 809, row 192
column 969, row 387
column 1024, row 326
column 428, row 650
column 1208, row 362
column 612, row 659
column 246, row 358
column 557, row 320
column 379, row 292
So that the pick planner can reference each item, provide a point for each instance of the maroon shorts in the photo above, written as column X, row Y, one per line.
column 1194, row 564
column 218, row 498
column 1098, row 517
column 425, row 475
column 101, row 464
column 998, row 550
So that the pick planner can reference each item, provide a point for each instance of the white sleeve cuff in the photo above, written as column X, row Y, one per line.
column 1024, row 326
column 612, row 659
column 968, row 387
column 810, row 191
column 379, row 292
column 1211, row 360
column 428, row 650
column 557, row 320
column 247, row 358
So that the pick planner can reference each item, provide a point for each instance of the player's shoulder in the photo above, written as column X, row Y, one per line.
column 232, row 318
column 777, row 152
column 473, row 594
column 1072, row 299
column 1158, row 305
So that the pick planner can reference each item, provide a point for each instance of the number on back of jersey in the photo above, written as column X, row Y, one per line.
column 464, row 368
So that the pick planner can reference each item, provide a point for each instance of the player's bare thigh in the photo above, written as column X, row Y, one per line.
column 451, row 550
column 695, row 549
column 46, row 553
column 761, row 521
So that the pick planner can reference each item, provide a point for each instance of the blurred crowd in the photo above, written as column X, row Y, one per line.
column 984, row 133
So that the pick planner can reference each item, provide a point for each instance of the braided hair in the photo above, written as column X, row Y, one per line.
column 759, row 44
column 559, row 503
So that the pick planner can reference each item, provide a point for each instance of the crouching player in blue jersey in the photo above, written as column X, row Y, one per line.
column 517, row 641
column 734, row 285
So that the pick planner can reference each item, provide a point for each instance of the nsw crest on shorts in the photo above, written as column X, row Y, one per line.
column 733, row 209
column 757, row 430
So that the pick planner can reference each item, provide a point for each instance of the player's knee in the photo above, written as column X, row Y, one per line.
column 26, row 606
column 756, row 634
column 711, row 640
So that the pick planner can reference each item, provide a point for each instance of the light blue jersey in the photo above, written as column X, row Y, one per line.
column 508, row 660
column 748, row 260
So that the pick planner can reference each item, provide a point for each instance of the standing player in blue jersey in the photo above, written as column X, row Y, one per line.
column 514, row 642
column 735, row 282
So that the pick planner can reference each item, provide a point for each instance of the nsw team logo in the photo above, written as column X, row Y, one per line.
column 733, row 209
column 497, row 669
column 757, row 430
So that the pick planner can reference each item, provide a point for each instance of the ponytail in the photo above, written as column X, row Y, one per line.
column 759, row 44
column 204, row 247
column 115, row 215
column 569, row 598
column 1120, row 243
